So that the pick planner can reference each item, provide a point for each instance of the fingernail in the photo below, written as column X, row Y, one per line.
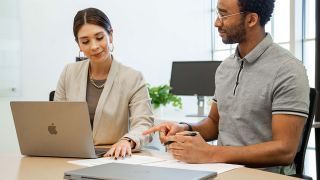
column 115, row 158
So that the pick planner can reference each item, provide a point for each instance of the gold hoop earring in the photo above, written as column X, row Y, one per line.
column 81, row 57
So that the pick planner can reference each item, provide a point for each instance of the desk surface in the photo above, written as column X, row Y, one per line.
column 14, row 166
column 20, row 167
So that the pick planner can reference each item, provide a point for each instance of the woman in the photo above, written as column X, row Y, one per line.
column 117, row 96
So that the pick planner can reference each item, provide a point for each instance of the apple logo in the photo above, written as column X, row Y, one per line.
column 52, row 129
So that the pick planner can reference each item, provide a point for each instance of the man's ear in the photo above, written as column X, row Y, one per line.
column 252, row 19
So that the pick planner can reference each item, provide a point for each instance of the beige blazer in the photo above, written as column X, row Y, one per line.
column 124, row 107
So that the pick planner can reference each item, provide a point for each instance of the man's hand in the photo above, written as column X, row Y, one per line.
column 190, row 149
column 165, row 130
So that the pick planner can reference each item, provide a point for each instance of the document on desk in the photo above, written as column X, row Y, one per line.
column 134, row 159
column 217, row 167
column 158, row 162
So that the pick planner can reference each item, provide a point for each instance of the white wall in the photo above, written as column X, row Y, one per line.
column 10, row 51
column 148, row 36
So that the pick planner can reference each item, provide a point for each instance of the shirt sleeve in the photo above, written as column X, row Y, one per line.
column 60, row 93
column 291, row 90
column 141, row 117
column 214, row 98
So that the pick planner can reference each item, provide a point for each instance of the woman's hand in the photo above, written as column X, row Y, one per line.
column 120, row 149
column 165, row 130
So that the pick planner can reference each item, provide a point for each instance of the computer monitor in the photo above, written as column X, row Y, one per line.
column 194, row 78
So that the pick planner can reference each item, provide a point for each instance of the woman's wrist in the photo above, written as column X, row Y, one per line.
column 131, row 142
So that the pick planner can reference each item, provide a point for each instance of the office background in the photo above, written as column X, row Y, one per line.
column 36, row 41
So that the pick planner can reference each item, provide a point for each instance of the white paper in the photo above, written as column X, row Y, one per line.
column 158, row 162
column 134, row 159
column 217, row 167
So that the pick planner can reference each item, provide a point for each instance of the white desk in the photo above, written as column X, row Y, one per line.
column 14, row 166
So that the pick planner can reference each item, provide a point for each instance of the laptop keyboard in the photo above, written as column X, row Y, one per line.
column 101, row 151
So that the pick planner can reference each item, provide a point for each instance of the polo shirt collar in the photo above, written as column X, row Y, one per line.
column 254, row 54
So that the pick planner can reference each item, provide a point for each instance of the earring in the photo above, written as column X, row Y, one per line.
column 111, row 47
column 80, row 57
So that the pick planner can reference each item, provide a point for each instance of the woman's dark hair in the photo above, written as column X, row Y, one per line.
column 263, row 8
column 90, row 16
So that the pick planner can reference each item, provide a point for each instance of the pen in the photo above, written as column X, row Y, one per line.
column 184, row 133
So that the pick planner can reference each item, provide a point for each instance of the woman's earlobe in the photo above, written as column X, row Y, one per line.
column 111, row 47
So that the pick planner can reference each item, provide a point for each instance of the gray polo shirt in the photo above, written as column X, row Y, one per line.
column 269, row 80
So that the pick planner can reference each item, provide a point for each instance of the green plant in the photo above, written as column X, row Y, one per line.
column 161, row 95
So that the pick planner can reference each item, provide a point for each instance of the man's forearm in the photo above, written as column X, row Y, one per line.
column 266, row 154
column 207, row 128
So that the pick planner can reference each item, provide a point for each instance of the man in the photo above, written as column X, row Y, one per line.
column 261, row 98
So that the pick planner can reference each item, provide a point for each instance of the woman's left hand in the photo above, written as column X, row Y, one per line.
column 120, row 149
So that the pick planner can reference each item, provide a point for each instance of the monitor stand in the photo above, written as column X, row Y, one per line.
column 200, row 108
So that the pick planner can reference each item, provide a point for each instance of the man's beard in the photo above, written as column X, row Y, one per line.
column 235, row 34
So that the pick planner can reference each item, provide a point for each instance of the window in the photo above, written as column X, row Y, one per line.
column 309, row 56
column 309, row 40
column 10, row 51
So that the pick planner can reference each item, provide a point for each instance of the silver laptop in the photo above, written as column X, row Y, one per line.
column 59, row 129
column 136, row 172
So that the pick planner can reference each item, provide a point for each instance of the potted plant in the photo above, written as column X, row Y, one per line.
column 161, row 96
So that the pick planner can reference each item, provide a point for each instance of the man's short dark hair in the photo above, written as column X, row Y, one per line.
column 263, row 8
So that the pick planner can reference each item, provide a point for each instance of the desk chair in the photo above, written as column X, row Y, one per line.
column 299, row 159
column 51, row 95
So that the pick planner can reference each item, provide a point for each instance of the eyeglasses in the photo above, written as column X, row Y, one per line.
column 221, row 17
